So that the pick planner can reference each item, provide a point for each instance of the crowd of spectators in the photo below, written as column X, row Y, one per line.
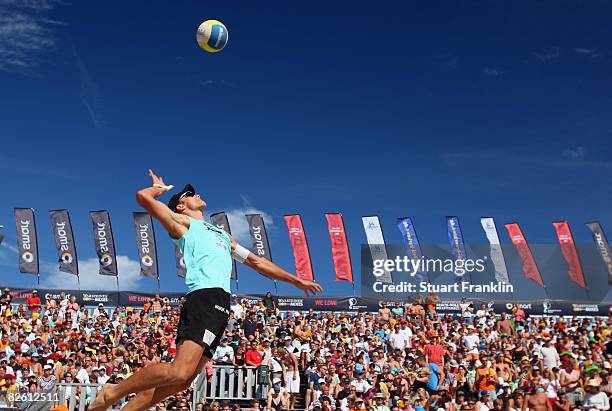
column 404, row 357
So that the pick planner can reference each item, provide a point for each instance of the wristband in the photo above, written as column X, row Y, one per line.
column 167, row 188
column 240, row 253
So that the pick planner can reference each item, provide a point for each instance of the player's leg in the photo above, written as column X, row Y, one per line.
column 151, row 397
column 188, row 355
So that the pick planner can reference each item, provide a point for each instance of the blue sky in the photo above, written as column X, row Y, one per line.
column 407, row 109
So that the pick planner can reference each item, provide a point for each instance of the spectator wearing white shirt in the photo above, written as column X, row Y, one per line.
column 361, row 384
column 471, row 342
column 550, row 355
column 595, row 400
column 224, row 354
column 102, row 376
column 237, row 308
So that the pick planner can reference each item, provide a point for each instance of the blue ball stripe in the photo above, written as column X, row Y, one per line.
column 218, row 37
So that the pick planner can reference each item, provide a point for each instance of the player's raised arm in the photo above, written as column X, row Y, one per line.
column 175, row 224
column 271, row 270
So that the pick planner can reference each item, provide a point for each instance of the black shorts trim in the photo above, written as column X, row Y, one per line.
column 203, row 318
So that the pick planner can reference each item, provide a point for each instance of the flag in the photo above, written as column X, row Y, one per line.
column 376, row 243
column 568, row 249
column 339, row 246
column 497, row 254
column 64, row 241
column 104, row 242
column 301, row 254
column 530, row 267
column 27, row 242
column 181, row 268
column 413, row 247
column 601, row 242
column 221, row 221
column 145, row 242
column 457, row 246
column 257, row 229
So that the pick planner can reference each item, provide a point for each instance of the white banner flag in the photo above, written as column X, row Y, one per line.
column 376, row 243
column 497, row 255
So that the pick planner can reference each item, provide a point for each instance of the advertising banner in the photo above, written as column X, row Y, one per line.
column 181, row 268
column 301, row 254
column 603, row 247
column 530, row 267
column 104, row 242
column 568, row 248
column 221, row 221
column 257, row 228
column 497, row 254
column 27, row 242
column 339, row 246
column 457, row 247
column 302, row 303
column 376, row 243
column 412, row 244
column 64, row 241
column 145, row 243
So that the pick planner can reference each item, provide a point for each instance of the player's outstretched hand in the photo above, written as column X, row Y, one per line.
column 309, row 287
column 159, row 182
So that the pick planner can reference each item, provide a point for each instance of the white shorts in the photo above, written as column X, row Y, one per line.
column 293, row 386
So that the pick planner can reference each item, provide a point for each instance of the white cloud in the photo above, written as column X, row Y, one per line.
column 90, row 95
column 239, row 225
column 548, row 54
column 583, row 51
column 217, row 83
column 532, row 159
column 24, row 33
column 492, row 71
column 129, row 276
column 8, row 254
column 575, row 153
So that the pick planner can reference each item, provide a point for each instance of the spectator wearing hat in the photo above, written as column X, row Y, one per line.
column 595, row 399
column 278, row 397
column 47, row 380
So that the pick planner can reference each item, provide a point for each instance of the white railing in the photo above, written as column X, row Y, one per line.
column 75, row 396
column 227, row 383
column 230, row 383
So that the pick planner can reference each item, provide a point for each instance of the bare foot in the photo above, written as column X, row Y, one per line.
column 103, row 399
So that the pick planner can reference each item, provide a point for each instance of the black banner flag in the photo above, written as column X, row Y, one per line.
column 104, row 242
column 145, row 242
column 64, row 241
column 26, row 240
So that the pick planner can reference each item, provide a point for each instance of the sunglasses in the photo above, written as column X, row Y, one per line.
column 186, row 194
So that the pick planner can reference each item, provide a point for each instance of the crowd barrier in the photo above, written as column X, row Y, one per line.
column 232, row 383
column 226, row 383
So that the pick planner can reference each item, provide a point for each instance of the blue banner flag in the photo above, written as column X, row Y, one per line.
column 457, row 247
column 412, row 244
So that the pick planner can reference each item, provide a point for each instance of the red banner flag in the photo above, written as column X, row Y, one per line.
column 303, row 266
column 568, row 248
column 340, row 250
column 529, row 265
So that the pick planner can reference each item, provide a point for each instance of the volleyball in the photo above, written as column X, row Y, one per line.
column 212, row 36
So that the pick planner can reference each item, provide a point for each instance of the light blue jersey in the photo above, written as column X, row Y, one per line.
column 207, row 253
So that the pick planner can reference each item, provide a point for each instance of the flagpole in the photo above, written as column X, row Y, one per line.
column 118, row 293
